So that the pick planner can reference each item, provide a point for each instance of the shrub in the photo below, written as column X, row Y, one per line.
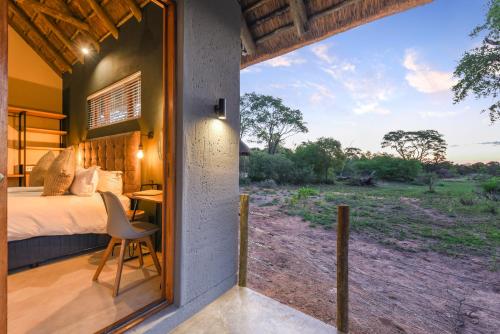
column 264, row 166
column 388, row 168
column 306, row 192
column 491, row 186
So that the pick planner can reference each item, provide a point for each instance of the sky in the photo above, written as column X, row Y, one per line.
column 391, row 74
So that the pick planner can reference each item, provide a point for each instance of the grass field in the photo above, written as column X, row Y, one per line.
column 455, row 219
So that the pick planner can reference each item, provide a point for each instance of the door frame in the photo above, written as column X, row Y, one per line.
column 3, row 164
column 169, row 172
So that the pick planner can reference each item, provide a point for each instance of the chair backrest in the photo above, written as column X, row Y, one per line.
column 118, row 224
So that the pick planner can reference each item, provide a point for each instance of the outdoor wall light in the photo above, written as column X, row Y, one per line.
column 220, row 109
column 140, row 149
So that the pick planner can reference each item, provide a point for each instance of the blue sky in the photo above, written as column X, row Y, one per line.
column 394, row 73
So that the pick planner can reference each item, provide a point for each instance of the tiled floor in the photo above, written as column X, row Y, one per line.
column 62, row 298
column 244, row 311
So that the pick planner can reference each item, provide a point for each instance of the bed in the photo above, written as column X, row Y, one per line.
column 42, row 229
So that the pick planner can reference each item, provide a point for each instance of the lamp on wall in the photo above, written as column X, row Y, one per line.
column 220, row 109
column 140, row 150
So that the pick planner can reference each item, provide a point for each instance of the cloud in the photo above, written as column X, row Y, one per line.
column 335, row 67
column 321, row 51
column 284, row 61
column 424, row 79
column 252, row 69
column 321, row 93
column 494, row 143
column 437, row 114
column 371, row 108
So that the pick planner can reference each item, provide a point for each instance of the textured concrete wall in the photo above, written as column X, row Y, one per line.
column 206, row 239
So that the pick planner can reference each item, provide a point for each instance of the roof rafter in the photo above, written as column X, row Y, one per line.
column 246, row 37
column 39, row 35
column 257, row 4
column 134, row 8
column 63, row 38
column 299, row 15
column 55, row 13
column 330, row 10
column 101, row 13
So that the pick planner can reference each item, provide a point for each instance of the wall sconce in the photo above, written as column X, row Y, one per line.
column 220, row 109
column 140, row 150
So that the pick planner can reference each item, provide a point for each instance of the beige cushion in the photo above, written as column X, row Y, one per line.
column 38, row 172
column 111, row 181
column 60, row 174
column 85, row 181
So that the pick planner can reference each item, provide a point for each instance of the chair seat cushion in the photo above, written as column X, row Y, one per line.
column 144, row 229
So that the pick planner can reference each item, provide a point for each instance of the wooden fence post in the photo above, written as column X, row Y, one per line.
column 242, row 277
column 342, row 268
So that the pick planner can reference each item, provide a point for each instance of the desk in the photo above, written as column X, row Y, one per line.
column 158, row 201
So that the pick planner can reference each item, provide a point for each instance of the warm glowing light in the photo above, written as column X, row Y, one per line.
column 140, row 154
column 85, row 51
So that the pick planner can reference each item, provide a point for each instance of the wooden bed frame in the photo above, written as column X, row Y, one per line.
column 116, row 152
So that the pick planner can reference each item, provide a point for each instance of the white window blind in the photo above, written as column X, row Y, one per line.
column 116, row 103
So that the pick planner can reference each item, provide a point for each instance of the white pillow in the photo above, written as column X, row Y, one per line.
column 85, row 182
column 110, row 181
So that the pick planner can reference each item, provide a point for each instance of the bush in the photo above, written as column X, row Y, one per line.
column 491, row 186
column 388, row 168
column 264, row 166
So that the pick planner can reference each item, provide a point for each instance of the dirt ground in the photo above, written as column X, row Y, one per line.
column 391, row 290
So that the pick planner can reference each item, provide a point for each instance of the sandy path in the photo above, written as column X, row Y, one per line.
column 391, row 291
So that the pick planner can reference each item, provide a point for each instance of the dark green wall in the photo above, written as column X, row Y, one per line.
column 138, row 48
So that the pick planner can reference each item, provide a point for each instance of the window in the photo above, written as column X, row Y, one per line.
column 116, row 103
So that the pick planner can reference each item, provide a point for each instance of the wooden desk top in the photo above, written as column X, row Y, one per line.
column 155, row 199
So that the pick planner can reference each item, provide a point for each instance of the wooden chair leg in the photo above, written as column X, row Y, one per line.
column 149, row 242
column 141, row 260
column 104, row 258
column 118, row 277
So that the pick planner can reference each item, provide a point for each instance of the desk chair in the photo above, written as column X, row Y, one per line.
column 123, row 231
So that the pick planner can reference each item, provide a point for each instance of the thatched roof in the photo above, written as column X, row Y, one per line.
column 58, row 30
column 274, row 27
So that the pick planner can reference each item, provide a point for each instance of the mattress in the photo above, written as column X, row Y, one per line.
column 32, row 215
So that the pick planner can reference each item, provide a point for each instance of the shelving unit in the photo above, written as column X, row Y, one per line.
column 23, row 129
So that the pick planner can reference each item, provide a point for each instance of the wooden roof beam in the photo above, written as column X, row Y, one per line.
column 104, row 17
column 326, row 12
column 55, row 13
column 299, row 15
column 88, row 35
column 246, row 37
column 255, row 5
column 64, row 39
column 134, row 8
column 46, row 43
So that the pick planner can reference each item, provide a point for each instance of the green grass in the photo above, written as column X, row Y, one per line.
column 461, row 221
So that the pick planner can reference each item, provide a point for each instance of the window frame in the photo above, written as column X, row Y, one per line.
column 107, row 92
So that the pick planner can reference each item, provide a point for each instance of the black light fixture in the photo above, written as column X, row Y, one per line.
column 140, row 149
column 220, row 109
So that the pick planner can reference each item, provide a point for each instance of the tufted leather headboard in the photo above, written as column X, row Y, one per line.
column 118, row 152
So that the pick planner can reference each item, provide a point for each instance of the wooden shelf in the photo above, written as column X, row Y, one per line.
column 36, row 113
column 45, row 148
column 15, row 175
column 47, row 131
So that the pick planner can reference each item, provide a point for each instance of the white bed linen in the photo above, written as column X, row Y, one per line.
column 32, row 215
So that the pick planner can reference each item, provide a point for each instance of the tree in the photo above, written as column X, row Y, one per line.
column 324, row 156
column 479, row 69
column 268, row 120
column 247, row 112
column 424, row 145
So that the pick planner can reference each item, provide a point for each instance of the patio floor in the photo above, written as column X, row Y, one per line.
column 244, row 311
